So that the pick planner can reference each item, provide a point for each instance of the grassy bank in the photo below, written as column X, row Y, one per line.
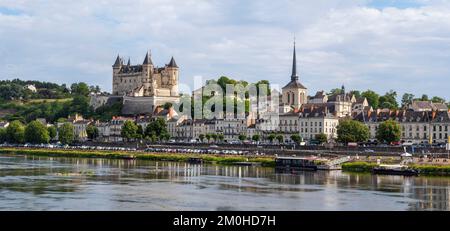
column 209, row 158
column 424, row 170
column 358, row 166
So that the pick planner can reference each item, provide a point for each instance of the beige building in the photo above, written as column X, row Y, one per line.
column 314, row 121
column 417, row 126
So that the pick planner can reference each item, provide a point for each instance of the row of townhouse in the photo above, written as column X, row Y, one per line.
column 307, row 123
column 417, row 126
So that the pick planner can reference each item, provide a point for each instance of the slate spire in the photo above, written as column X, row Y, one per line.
column 172, row 63
column 294, row 76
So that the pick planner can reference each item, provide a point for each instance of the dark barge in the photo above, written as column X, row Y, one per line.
column 295, row 164
column 394, row 170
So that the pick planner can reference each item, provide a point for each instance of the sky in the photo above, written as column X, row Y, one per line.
column 363, row 44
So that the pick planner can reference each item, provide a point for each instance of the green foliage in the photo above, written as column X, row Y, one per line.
column 208, row 137
column 436, row 99
column 36, row 133
column 157, row 129
column 271, row 137
column 358, row 166
column 407, row 99
column 389, row 100
column 389, row 131
column 242, row 137
column 15, row 132
column 92, row 131
column 80, row 89
column 3, row 136
column 321, row 138
column 335, row 91
column 214, row 137
column 106, row 112
column 66, row 133
column 16, row 89
column 129, row 130
column 52, row 132
column 356, row 93
column 280, row 138
column 296, row 138
column 372, row 98
column 256, row 138
column 201, row 137
column 220, row 137
column 432, row 170
column 352, row 131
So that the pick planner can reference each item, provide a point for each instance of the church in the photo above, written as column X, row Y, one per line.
column 294, row 94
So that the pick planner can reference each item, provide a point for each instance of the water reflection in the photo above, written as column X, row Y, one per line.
column 47, row 183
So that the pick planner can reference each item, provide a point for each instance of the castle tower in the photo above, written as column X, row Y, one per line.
column 173, row 71
column 294, row 93
column 147, row 69
column 116, row 69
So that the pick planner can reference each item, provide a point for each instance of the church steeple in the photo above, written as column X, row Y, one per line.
column 294, row 76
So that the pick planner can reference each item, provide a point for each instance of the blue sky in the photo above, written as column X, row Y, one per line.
column 381, row 45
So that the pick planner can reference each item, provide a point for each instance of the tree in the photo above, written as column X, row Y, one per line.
column 92, row 131
column 389, row 131
column 208, row 137
column 407, row 99
column 220, row 137
column 80, row 89
column 335, row 91
column 36, row 133
column 255, row 138
column 201, row 137
column 424, row 98
column 280, row 139
column 129, row 130
column 157, row 128
column 352, row 131
column 140, row 132
column 214, row 137
column 356, row 93
column 52, row 132
column 3, row 137
column 372, row 98
column 321, row 138
column 271, row 137
column 66, row 133
column 15, row 132
column 436, row 99
column 242, row 137
column 296, row 138
column 389, row 100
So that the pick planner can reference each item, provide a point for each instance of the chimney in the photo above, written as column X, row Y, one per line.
column 433, row 115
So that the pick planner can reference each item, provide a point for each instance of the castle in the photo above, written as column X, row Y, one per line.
column 141, row 88
column 145, row 80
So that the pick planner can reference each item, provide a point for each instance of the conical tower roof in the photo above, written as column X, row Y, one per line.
column 117, row 63
column 172, row 63
column 147, row 59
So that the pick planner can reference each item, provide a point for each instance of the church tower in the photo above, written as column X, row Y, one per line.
column 294, row 93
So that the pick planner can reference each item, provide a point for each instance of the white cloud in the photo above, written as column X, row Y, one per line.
column 338, row 42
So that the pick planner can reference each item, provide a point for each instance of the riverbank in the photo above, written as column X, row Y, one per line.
column 207, row 158
column 423, row 169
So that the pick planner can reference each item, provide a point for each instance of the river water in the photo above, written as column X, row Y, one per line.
column 46, row 183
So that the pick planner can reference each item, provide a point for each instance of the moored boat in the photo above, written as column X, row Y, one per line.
column 395, row 170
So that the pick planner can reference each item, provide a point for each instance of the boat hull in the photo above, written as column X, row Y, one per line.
column 405, row 172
